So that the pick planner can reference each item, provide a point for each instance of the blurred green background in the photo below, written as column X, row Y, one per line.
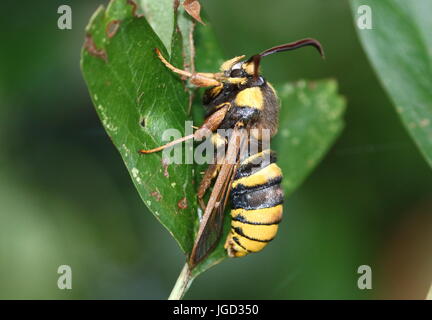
column 66, row 197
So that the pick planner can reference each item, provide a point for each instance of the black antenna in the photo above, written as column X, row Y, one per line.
column 286, row 47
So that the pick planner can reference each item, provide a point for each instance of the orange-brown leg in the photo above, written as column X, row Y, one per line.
column 199, row 79
column 209, row 175
column 210, row 124
column 170, row 144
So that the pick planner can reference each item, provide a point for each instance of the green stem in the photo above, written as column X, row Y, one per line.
column 429, row 295
column 182, row 284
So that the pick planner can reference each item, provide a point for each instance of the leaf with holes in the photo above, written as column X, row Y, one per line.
column 136, row 97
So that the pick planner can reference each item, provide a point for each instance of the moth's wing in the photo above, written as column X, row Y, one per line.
column 212, row 222
column 211, row 225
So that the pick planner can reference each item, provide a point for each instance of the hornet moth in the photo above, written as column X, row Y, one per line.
column 238, row 98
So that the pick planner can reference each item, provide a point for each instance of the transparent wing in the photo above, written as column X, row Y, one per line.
column 211, row 225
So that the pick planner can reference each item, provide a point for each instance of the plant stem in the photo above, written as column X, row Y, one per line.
column 183, row 283
column 429, row 295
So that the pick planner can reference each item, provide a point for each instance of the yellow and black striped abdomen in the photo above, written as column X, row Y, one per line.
column 256, row 201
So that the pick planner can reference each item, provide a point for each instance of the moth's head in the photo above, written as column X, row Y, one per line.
column 241, row 71
column 237, row 70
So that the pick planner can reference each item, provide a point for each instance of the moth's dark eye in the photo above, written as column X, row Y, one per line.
column 236, row 73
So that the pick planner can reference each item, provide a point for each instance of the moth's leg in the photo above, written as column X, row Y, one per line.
column 209, row 175
column 210, row 124
column 199, row 79
column 170, row 144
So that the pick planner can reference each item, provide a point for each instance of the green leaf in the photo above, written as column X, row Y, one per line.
column 209, row 55
column 136, row 97
column 160, row 16
column 310, row 120
column 399, row 46
column 186, row 27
